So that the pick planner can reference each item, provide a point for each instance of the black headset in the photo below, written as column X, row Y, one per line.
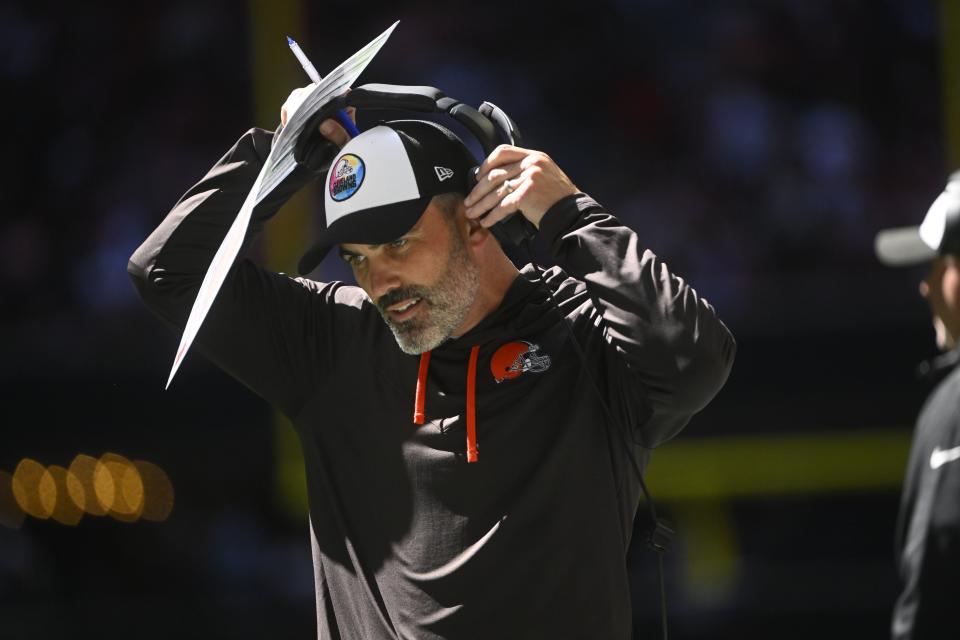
column 491, row 126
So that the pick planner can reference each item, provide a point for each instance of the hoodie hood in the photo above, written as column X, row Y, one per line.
column 526, row 309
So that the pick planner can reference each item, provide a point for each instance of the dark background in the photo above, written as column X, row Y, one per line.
column 756, row 147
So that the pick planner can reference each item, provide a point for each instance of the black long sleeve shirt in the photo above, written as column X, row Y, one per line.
column 928, row 531
column 410, row 540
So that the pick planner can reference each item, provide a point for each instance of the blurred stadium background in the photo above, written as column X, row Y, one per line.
column 756, row 146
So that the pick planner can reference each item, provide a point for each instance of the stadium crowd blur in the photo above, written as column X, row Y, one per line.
column 756, row 146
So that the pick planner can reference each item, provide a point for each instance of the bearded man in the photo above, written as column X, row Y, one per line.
column 459, row 417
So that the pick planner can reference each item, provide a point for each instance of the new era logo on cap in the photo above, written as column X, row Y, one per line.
column 443, row 173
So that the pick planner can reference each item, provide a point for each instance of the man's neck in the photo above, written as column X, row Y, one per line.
column 497, row 273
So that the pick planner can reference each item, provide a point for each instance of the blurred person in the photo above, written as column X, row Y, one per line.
column 464, row 479
column 928, row 529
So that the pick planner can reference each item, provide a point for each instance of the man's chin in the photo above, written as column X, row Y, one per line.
column 413, row 341
column 417, row 347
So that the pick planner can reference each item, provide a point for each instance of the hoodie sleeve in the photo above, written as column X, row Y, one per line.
column 262, row 327
column 670, row 340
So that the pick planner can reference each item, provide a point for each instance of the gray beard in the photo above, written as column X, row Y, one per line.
column 445, row 304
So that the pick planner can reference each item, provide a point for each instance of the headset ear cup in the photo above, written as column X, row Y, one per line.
column 472, row 178
column 514, row 230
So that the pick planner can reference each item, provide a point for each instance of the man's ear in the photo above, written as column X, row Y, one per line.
column 472, row 228
column 477, row 234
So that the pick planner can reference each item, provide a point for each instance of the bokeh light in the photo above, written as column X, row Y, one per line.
column 65, row 510
column 34, row 489
column 157, row 491
column 80, row 485
column 111, row 485
column 118, row 487
column 11, row 515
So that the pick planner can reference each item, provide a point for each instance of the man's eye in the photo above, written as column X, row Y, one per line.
column 354, row 260
column 399, row 242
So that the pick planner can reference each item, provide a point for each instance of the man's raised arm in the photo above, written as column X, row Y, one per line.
column 671, row 340
column 258, row 316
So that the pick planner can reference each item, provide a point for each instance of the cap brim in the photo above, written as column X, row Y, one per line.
column 902, row 247
column 377, row 225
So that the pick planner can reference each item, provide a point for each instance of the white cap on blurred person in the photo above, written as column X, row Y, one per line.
column 938, row 234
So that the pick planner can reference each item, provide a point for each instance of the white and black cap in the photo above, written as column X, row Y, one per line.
column 381, row 182
column 938, row 234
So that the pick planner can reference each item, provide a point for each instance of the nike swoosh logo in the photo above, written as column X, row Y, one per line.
column 940, row 457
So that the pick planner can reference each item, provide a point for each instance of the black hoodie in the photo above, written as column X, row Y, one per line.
column 928, row 526
column 411, row 538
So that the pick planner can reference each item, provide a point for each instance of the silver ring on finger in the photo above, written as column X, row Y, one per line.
column 508, row 185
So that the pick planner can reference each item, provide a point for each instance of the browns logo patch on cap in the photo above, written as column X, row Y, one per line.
column 346, row 177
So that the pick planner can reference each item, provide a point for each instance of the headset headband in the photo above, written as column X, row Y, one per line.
column 489, row 124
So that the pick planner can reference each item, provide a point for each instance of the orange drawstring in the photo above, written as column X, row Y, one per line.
column 472, row 405
column 419, row 411
column 421, row 398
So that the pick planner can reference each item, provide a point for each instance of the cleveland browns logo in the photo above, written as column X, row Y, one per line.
column 516, row 358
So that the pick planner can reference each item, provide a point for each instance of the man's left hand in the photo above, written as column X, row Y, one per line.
column 330, row 128
column 512, row 179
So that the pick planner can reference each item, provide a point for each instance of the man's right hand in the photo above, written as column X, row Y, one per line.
column 329, row 128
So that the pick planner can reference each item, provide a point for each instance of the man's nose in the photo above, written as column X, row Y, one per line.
column 383, row 278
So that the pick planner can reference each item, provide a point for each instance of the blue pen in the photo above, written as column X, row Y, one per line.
column 342, row 116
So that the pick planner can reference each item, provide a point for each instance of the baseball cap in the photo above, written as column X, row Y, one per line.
column 938, row 234
column 381, row 182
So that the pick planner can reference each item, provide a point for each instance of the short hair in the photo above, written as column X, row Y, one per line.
column 448, row 203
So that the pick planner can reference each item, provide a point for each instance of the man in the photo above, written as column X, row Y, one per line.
column 928, row 530
column 463, row 478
